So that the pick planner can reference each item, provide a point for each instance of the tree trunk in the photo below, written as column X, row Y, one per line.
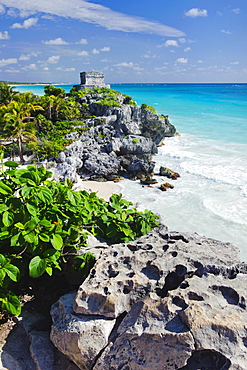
column 20, row 149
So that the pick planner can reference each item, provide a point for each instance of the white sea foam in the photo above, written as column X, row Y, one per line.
column 210, row 197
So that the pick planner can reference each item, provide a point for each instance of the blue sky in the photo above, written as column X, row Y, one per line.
column 129, row 41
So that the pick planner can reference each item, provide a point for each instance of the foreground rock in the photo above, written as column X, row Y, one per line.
column 165, row 301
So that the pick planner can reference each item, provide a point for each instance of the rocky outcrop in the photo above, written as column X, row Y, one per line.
column 111, row 135
column 164, row 171
column 166, row 301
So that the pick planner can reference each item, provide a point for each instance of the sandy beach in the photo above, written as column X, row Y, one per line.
column 103, row 189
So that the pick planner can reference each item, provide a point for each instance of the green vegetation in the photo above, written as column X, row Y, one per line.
column 43, row 223
column 148, row 107
column 135, row 141
column 38, row 124
column 55, row 91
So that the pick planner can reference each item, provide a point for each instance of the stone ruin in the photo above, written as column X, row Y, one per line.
column 91, row 79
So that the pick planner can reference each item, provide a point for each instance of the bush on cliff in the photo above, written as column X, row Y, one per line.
column 43, row 223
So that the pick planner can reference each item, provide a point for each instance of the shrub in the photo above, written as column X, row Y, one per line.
column 42, row 225
column 109, row 103
column 149, row 107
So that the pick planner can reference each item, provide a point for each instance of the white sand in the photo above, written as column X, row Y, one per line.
column 103, row 189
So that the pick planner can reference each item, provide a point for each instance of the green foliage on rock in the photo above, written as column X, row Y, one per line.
column 43, row 223
column 148, row 107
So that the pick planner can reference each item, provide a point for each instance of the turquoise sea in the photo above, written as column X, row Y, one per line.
column 210, row 197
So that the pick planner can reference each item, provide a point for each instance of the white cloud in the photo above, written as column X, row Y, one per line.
column 226, row 32
column 82, row 42
column 26, row 24
column 95, row 51
column 46, row 68
column 2, row 9
column 95, row 13
column 53, row 59
column 83, row 53
column 182, row 40
column 11, row 70
column 57, row 41
column 26, row 13
column 125, row 64
column 65, row 69
column 169, row 43
column 196, row 12
column 236, row 10
column 24, row 57
column 5, row 62
column 47, row 16
column 149, row 56
column 182, row 60
column 31, row 67
column 4, row 35
column 28, row 56
column 105, row 48
column 199, row 61
column 234, row 63
column 187, row 49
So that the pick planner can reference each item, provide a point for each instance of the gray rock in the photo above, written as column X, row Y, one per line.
column 80, row 337
column 61, row 157
column 65, row 171
column 179, row 301
column 101, row 164
column 156, row 127
column 139, row 167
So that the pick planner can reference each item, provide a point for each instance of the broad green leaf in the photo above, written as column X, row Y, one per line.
column 44, row 237
column 37, row 267
column 29, row 236
column 71, row 197
column 3, row 208
column 12, row 271
column 4, row 189
column 19, row 225
column 44, row 194
column 49, row 270
column 57, row 241
column 2, row 274
column 2, row 259
column 14, row 241
column 52, row 255
column 11, row 164
column 10, row 302
column 8, row 218
column 4, row 235
column 27, row 191
column 45, row 223
column 31, row 224
column 31, row 178
column 32, row 209
column 20, row 172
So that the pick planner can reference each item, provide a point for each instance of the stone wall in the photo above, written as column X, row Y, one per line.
column 91, row 79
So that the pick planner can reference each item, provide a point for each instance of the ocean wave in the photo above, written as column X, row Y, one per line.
column 226, row 174
column 236, row 213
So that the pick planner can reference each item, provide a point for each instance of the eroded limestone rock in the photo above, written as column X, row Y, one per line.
column 174, row 301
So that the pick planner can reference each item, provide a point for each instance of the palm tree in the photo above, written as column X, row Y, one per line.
column 52, row 106
column 18, row 123
column 6, row 93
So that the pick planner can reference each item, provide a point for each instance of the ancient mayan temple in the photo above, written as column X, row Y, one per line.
column 91, row 79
